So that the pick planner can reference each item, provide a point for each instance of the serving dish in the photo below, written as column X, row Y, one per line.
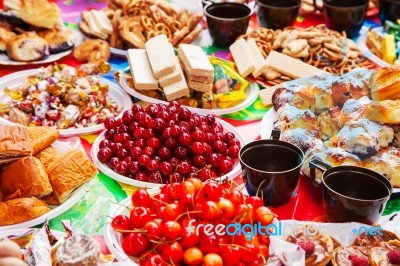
column 15, row 80
column 362, row 43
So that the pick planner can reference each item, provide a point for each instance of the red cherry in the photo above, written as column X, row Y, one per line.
column 225, row 166
column 148, row 133
column 175, row 178
column 112, row 162
column 148, row 151
column 212, row 260
column 104, row 154
column 136, row 108
column 140, row 143
column 152, row 165
column 193, row 256
column 121, row 168
column 170, row 212
column 143, row 159
column 122, row 153
column 105, row 143
column 140, row 216
column 210, row 119
column 184, row 114
column 142, row 176
column 138, row 133
column 134, row 167
column 189, row 237
column 206, row 174
column 155, row 177
column 227, row 208
column 197, row 148
column 181, row 152
column 233, row 142
column 110, row 123
column 155, row 260
column 210, row 210
column 219, row 146
column 141, row 198
column 171, row 143
column 185, row 139
column 121, row 223
column 175, row 131
column 171, row 230
column 128, row 117
column 236, row 197
column 230, row 254
column 159, row 124
column 136, row 152
column 165, row 168
column 135, row 244
column 174, row 252
column 154, row 142
column 209, row 244
column 129, row 145
column 184, row 168
column 154, row 230
column 199, row 161
column 255, row 201
column 233, row 151
column 198, row 135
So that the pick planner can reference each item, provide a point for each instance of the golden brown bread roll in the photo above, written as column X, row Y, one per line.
column 20, row 210
column 68, row 172
column 385, row 83
column 42, row 137
column 51, row 199
column 47, row 157
column 384, row 112
column 40, row 13
column 14, row 143
column 25, row 178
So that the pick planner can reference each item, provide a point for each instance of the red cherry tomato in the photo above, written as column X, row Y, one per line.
column 135, row 244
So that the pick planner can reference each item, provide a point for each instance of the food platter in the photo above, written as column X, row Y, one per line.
column 251, row 91
column 362, row 43
column 76, row 196
column 16, row 79
column 4, row 60
column 123, row 179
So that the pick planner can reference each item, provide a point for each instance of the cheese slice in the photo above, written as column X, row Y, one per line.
column 141, row 71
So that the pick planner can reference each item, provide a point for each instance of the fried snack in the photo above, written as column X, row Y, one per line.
column 42, row 137
column 32, row 179
column 135, row 22
column 27, row 47
column 318, row 247
column 40, row 13
column 374, row 42
column 14, row 143
column 68, row 172
column 318, row 46
column 385, row 83
column 346, row 255
column 92, row 51
column 20, row 210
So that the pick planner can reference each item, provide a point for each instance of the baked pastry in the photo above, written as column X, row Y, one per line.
column 387, row 163
column 385, row 83
column 302, row 138
column 27, row 47
column 300, row 99
column 290, row 117
column 47, row 156
column 51, row 199
column 318, row 247
column 386, row 255
column 331, row 156
column 5, row 37
column 68, row 172
column 42, row 137
column 12, row 19
column 40, row 13
column 20, row 210
column 384, row 112
column 378, row 239
column 347, row 256
column 353, row 110
column 352, row 85
column 321, row 89
column 59, row 39
column 92, row 51
column 79, row 250
column 362, row 138
column 31, row 176
column 14, row 143
column 328, row 122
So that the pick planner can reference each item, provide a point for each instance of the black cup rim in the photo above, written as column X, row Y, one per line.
column 280, row 7
column 346, row 7
column 361, row 170
column 265, row 141
column 227, row 3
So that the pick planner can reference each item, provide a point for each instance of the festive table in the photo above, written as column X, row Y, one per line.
column 104, row 193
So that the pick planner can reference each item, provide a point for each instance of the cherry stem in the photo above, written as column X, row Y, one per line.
column 117, row 203
column 185, row 213
column 132, row 231
column 235, row 245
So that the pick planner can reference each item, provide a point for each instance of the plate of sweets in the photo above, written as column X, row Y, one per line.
column 207, row 85
column 52, row 175
column 167, row 143
column 74, row 100
column 32, row 33
column 129, row 24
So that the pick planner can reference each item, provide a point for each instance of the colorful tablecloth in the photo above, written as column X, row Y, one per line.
column 105, row 193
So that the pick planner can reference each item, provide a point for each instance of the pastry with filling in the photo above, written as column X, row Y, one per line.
column 349, row 256
column 302, row 138
column 42, row 137
column 318, row 247
column 5, row 37
column 59, row 39
column 20, row 210
column 79, row 250
column 301, row 99
column 384, row 112
column 328, row 122
column 362, row 138
column 27, row 47
column 386, row 255
column 385, row 83
column 330, row 156
column 290, row 117
column 25, row 178
column 68, row 172
column 387, row 163
column 14, row 143
column 378, row 239
column 353, row 110
column 40, row 13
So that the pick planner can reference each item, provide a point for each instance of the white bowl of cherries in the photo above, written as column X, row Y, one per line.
column 167, row 144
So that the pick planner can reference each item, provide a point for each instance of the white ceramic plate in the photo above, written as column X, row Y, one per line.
column 251, row 91
column 123, row 179
column 362, row 43
column 5, row 60
column 18, row 78
column 56, row 210
column 267, row 124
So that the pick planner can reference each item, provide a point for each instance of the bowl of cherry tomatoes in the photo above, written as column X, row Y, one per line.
column 171, row 226
column 162, row 144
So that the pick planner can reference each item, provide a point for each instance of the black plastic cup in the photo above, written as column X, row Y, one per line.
column 271, row 170
column 352, row 193
column 277, row 14
column 389, row 10
column 226, row 21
